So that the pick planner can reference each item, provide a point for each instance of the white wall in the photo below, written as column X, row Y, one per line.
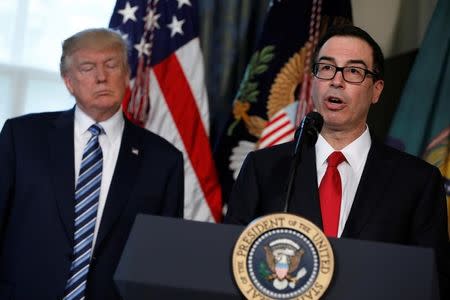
column 397, row 25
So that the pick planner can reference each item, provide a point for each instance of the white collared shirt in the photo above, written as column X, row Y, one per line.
column 109, row 141
column 350, row 170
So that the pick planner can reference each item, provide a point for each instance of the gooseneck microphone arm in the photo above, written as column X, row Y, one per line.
column 306, row 134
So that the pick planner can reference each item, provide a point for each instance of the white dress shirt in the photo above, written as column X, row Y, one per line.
column 350, row 170
column 109, row 141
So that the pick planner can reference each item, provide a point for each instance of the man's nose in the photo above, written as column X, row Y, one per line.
column 338, row 79
column 101, row 74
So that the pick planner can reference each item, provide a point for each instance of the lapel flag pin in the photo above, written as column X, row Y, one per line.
column 135, row 151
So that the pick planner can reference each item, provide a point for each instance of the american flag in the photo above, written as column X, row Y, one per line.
column 167, row 93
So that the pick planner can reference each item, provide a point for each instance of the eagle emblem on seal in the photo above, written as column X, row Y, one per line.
column 283, row 258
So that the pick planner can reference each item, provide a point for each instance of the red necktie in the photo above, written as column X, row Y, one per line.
column 330, row 191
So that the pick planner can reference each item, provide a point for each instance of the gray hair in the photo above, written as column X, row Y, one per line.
column 94, row 38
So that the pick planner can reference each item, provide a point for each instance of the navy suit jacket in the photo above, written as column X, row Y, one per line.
column 37, row 203
column 400, row 198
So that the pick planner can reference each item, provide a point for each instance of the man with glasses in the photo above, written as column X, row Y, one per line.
column 349, row 184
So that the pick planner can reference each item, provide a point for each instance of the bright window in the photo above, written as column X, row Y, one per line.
column 32, row 33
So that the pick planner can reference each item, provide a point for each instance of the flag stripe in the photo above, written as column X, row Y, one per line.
column 273, row 129
column 187, row 119
column 161, row 121
column 279, row 130
column 191, row 61
column 276, row 118
column 283, row 138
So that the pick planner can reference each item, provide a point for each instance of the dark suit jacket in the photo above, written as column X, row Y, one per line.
column 400, row 198
column 37, row 203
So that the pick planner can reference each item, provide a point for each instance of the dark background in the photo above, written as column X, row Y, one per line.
column 229, row 32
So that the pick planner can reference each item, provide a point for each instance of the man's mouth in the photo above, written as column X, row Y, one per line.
column 102, row 93
column 334, row 103
column 334, row 100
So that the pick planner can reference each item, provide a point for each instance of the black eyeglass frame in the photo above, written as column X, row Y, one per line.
column 341, row 69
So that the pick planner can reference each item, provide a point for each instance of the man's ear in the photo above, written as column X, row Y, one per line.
column 68, row 82
column 377, row 89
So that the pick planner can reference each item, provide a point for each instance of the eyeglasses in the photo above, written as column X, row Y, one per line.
column 350, row 74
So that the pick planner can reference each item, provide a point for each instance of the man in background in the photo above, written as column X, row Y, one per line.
column 73, row 181
column 349, row 184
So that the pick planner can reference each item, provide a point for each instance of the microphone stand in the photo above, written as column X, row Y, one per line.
column 309, row 129
column 296, row 160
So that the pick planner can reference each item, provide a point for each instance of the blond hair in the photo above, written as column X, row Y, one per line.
column 94, row 38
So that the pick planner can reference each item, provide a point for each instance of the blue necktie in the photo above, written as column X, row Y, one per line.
column 86, row 203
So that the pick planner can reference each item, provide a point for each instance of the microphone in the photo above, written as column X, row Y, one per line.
column 307, row 133
column 311, row 125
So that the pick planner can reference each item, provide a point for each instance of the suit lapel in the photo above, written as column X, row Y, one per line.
column 61, row 145
column 122, row 181
column 306, row 201
column 374, row 178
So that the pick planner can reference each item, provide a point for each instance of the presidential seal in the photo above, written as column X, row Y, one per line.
column 282, row 256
